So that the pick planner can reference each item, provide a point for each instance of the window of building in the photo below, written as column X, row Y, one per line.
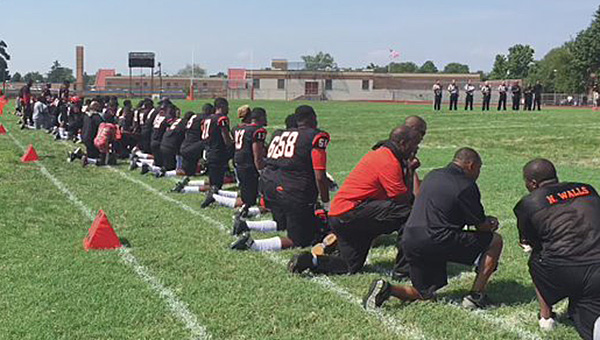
column 205, row 84
column 256, row 83
column 108, row 83
column 145, row 84
column 328, row 84
column 280, row 84
column 137, row 84
column 365, row 84
column 168, row 84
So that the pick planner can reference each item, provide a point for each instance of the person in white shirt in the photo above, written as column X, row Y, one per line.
column 437, row 95
column 469, row 90
column 40, row 114
column 453, row 90
column 502, row 96
column 486, row 92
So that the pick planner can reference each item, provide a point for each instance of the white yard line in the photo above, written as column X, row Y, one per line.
column 391, row 324
column 178, row 308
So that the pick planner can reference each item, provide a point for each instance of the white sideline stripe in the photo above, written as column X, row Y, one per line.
column 389, row 322
column 178, row 308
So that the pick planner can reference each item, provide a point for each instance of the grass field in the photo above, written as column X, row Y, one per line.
column 178, row 280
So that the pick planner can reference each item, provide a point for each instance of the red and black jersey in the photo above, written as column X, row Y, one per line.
column 292, row 157
column 160, row 125
column 211, row 133
column 174, row 135
column 244, row 136
column 561, row 222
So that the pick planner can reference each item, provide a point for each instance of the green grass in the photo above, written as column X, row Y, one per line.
column 53, row 289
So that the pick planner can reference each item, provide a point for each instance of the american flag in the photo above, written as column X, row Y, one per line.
column 394, row 54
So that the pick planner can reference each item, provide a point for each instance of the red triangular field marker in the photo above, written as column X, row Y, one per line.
column 2, row 129
column 30, row 155
column 101, row 235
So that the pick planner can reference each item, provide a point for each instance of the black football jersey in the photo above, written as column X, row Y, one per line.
column 174, row 134
column 244, row 136
column 561, row 222
column 211, row 133
column 193, row 130
column 148, row 122
column 160, row 125
column 290, row 165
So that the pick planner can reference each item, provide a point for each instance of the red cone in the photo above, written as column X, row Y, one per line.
column 2, row 129
column 30, row 155
column 101, row 235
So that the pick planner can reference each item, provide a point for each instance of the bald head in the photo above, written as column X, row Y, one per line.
column 469, row 160
column 417, row 123
column 538, row 172
column 406, row 139
column 466, row 155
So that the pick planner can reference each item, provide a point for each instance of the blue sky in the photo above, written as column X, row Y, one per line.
column 222, row 34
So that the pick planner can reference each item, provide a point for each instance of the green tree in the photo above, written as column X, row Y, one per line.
column 586, row 52
column 556, row 71
column 405, row 67
column 198, row 72
column 16, row 78
column 519, row 60
column 428, row 67
column 59, row 74
column 456, row 68
column 36, row 77
column 500, row 68
column 320, row 61
column 4, row 58
column 89, row 80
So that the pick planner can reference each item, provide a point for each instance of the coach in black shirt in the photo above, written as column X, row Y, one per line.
column 560, row 222
column 434, row 235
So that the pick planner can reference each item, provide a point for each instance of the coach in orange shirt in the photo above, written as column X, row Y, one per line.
column 375, row 199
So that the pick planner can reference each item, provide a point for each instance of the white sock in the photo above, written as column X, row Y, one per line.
column 196, row 183
column 92, row 160
column 146, row 161
column 254, row 211
column 273, row 243
column 262, row 226
column 62, row 133
column 190, row 190
column 171, row 173
column 226, row 193
column 154, row 169
column 142, row 155
column 225, row 201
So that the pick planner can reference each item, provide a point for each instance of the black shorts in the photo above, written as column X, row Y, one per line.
column 581, row 284
column 191, row 154
column 248, row 178
column 91, row 151
column 169, row 160
column 216, row 172
column 298, row 218
column 155, row 147
column 357, row 229
column 428, row 259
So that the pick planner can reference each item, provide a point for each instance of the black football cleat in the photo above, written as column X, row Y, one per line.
column 145, row 169
column 160, row 173
column 84, row 161
column 476, row 301
column 239, row 226
column 208, row 200
column 301, row 262
column 181, row 184
column 244, row 242
column 379, row 292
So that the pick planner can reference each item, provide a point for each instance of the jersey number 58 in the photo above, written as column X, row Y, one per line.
column 284, row 145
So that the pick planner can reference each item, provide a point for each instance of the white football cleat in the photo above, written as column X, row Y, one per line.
column 547, row 324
